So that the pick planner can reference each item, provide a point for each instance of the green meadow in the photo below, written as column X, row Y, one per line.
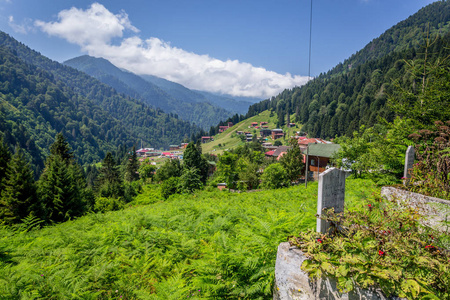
column 207, row 245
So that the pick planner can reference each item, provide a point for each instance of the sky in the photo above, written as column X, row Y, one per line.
column 236, row 47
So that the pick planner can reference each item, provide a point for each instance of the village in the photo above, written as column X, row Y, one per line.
column 316, row 152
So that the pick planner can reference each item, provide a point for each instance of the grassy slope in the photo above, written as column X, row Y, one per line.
column 231, row 140
column 216, row 245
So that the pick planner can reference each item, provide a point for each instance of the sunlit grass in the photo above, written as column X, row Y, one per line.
column 207, row 245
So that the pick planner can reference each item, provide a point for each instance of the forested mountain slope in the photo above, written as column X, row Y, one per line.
column 40, row 97
column 156, row 92
column 355, row 93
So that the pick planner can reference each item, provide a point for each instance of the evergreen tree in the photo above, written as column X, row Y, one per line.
column 193, row 158
column 109, row 181
column 292, row 161
column 5, row 156
column 60, row 185
column 171, row 168
column 132, row 167
column 18, row 197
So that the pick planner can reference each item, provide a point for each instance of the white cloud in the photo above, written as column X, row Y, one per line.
column 23, row 28
column 156, row 57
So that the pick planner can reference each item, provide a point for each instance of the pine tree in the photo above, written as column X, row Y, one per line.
column 292, row 161
column 18, row 197
column 192, row 158
column 132, row 167
column 109, row 181
column 5, row 156
column 61, row 184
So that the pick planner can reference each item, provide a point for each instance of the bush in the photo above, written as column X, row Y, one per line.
column 170, row 187
column 382, row 245
column 274, row 177
column 104, row 204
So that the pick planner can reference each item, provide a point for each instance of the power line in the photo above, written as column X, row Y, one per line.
column 310, row 37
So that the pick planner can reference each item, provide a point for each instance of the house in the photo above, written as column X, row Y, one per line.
column 254, row 124
column 318, row 157
column 174, row 147
column 206, row 139
column 222, row 128
column 277, row 133
column 230, row 124
column 277, row 153
column 239, row 132
column 303, row 142
column 263, row 123
column 265, row 132
column 291, row 125
column 143, row 151
column 184, row 145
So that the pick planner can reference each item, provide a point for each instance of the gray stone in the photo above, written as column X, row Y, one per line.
column 436, row 211
column 409, row 163
column 331, row 194
column 291, row 283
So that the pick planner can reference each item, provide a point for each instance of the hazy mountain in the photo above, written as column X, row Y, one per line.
column 157, row 92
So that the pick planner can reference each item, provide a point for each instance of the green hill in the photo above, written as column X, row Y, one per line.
column 40, row 97
column 229, row 139
column 355, row 92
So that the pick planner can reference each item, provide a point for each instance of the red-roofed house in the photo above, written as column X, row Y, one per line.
column 206, row 139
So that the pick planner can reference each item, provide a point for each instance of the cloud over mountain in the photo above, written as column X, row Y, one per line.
column 101, row 33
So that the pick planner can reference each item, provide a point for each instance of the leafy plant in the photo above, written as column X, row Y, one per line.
column 384, row 245
column 430, row 176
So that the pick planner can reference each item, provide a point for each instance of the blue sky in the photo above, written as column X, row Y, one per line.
column 238, row 47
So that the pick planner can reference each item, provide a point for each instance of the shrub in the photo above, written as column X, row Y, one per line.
column 381, row 245
column 170, row 187
column 274, row 177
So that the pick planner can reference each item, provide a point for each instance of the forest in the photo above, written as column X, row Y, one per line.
column 356, row 92
column 40, row 98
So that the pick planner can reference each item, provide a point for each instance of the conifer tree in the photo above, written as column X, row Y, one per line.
column 292, row 161
column 18, row 197
column 192, row 158
column 132, row 167
column 5, row 156
column 109, row 181
column 60, row 185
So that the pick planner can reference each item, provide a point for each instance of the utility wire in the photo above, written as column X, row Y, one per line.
column 310, row 37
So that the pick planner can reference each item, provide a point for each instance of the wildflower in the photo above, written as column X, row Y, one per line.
column 319, row 240
column 429, row 247
column 381, row 253
column 42, row 275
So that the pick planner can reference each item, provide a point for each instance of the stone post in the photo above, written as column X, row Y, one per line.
column 409, row 162
column 331, row 194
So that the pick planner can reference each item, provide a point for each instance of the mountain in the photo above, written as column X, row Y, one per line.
column 355, row 92
column 157, row 92
column 40, row 97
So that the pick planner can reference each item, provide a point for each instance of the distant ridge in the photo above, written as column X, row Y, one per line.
column 160, row 93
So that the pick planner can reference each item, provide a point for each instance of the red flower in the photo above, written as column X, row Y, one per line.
column 319, row 240
column 381, row 253
column 429, row 247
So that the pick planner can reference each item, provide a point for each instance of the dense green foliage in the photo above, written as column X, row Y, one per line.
column 156, row 92
column 40, row 97
column 207, row 245
column 431, row 174
column 355, row 93
column 382, row 245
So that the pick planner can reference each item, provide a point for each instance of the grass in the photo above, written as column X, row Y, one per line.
column 229, row 139
column 208, row 245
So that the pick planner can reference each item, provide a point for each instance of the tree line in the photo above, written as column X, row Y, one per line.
column 64, row 190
